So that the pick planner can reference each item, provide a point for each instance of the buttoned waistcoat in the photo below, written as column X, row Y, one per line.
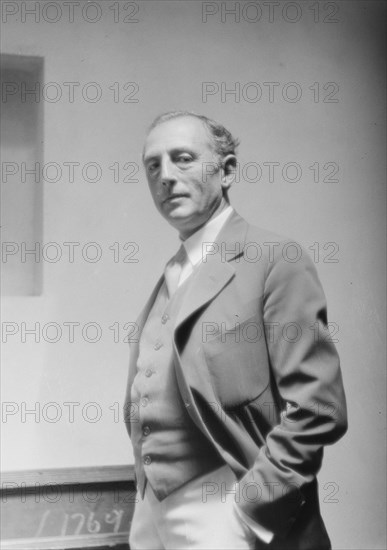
column 169, row 448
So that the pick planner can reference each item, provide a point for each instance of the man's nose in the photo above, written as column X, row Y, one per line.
column 167, row 173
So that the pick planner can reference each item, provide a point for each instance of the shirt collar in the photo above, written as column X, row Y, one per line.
column 206, row 234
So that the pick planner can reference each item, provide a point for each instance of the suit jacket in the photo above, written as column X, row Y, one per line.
column 260, row 376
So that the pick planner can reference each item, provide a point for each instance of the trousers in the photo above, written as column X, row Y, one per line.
column 199, row 515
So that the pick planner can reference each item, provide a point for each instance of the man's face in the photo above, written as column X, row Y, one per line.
column 178, row 156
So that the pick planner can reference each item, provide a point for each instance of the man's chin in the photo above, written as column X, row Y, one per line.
column 180, row 218
column 177, row 212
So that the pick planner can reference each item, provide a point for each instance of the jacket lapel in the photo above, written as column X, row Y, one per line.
column 207, row 283
column 216, row 270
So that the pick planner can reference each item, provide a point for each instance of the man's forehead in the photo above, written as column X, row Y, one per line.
column 178, row 132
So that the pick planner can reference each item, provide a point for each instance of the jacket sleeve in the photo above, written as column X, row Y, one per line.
column 307, row 379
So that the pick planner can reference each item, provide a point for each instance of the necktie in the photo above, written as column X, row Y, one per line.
column 173, row 270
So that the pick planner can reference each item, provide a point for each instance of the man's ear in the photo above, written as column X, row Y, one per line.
column 228, row 170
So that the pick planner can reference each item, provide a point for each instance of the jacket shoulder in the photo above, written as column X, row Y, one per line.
column 275, row 249
column 256, row 233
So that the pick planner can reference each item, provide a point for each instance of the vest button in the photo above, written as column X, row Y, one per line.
column 158, row 345
column 148, row 373
column 164, row 318
column 146, row 430
column 144, row 401
column 147, row 460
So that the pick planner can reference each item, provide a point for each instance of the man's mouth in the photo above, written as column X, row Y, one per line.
column 175, row 196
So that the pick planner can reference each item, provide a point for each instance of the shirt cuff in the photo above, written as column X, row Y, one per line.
column 262, row 533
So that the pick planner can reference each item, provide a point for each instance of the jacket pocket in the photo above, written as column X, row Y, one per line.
column 237, row 362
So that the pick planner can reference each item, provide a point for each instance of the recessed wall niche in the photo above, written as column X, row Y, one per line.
column 21, row 182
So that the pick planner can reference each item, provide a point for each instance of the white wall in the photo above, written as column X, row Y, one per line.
column 169, row 53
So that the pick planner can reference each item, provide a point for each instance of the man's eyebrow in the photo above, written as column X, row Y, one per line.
column 179, row 150
column 147, row 158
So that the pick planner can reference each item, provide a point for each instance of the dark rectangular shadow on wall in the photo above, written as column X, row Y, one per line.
column 21, row 167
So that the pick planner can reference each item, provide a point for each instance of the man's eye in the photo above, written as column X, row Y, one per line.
column 152, row 167
column 184, row 159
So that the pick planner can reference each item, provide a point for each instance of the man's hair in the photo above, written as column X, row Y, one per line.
column 223, row 141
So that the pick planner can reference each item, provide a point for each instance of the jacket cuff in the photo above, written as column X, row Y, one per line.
column 263, row 534
column 275, row 506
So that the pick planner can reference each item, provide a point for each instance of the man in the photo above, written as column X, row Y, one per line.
column 234, row 386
